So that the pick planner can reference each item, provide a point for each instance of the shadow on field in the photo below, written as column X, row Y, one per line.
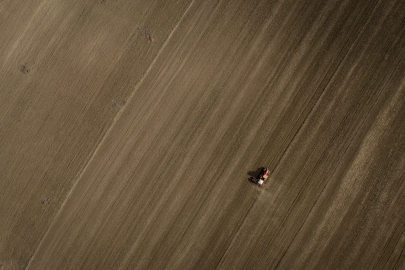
column 256, row 172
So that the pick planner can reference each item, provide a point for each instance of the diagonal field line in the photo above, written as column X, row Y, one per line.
column 118, row 116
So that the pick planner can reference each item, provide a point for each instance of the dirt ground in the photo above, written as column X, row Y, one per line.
column 130, row 129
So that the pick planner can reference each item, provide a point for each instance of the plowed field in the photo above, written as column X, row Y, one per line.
column 130, row 129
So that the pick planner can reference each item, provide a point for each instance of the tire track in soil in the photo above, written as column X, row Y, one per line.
column 372, row 109
column 312, row 103
column 211, row 192
column 108, row 132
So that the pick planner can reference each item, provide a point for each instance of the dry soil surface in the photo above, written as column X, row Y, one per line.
column 130, row 129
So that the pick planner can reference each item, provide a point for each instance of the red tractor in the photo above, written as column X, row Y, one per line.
column 260, row 179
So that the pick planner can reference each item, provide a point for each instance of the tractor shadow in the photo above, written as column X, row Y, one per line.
column 256, row 172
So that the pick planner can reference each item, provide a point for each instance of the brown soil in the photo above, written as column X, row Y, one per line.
column 129, row 130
